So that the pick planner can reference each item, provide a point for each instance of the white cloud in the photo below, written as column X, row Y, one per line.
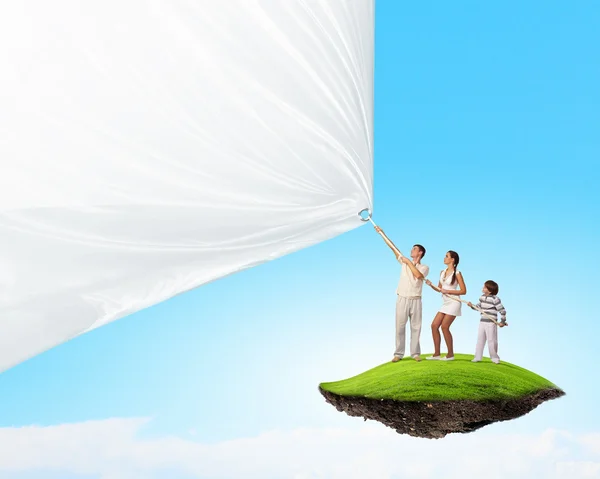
column 591, row 442
column 115, row 449
column 578, row 469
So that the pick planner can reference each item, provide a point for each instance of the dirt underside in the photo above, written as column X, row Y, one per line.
column 433, row 420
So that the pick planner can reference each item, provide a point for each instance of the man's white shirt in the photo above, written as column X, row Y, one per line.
column 409, row 286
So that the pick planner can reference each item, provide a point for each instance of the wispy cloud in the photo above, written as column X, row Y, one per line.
column 591, row 442
column 578, row 469
column 116, row 449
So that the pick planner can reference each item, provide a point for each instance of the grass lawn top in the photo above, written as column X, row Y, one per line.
column 435, row 380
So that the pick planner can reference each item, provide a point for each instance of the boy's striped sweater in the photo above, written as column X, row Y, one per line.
column 491, row 305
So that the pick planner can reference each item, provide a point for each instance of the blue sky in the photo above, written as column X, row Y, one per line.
column 486, row 142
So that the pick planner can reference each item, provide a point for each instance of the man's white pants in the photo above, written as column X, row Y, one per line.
column 487, row 332
column 408, row 308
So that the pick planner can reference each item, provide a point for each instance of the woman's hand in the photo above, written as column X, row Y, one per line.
column 428, row 283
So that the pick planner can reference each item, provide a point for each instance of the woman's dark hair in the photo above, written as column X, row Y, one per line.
column 492, row 287
column 455, row 257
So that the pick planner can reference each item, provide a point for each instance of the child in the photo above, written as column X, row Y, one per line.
column 491, row 305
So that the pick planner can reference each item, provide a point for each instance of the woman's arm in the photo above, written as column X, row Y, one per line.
column 461, row 283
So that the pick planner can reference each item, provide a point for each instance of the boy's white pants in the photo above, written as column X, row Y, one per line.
column 487, row 332
column 408, row 308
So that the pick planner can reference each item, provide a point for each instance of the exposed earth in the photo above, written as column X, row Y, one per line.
column 436, row 419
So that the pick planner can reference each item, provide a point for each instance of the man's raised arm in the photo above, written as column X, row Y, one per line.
column 417, row 274
column 392, row 246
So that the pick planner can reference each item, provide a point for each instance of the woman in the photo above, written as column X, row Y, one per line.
column 451, row 284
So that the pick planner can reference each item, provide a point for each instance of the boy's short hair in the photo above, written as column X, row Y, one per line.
column 421, row 249
column 492, row 287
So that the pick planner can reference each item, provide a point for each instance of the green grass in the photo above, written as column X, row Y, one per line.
column 408, row 380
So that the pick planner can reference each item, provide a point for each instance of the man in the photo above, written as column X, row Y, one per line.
column 408, row 302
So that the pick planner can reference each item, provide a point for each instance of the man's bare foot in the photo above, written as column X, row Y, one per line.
column 396, row 359
column 417, row 358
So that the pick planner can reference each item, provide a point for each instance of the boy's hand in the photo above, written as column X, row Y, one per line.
column 471, row 305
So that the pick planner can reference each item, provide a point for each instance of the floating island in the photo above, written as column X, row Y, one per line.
column 431, row 399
